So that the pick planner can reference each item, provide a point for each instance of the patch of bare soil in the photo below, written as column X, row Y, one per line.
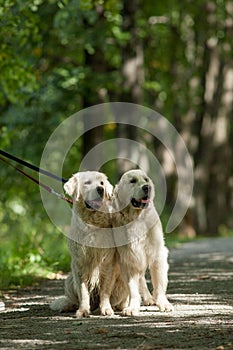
column 200, row 287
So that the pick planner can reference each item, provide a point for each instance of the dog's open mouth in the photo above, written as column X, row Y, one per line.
column 140, row 203
column 94, row 204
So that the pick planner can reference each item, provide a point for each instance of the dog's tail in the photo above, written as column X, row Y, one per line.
column 69, row 302
column 63, row 304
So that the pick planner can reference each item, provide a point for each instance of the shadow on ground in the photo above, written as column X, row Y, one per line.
column 200, row 288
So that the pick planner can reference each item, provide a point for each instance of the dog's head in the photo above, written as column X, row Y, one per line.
column 90, row 187
column 135, row 188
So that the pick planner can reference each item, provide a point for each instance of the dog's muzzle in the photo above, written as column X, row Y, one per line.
column 140, row 203
column 96, row 203
column 143, row 202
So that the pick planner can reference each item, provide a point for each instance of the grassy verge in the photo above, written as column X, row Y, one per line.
column 23, row 262
column 174, row 240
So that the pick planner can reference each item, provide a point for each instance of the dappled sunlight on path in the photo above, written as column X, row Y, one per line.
column 200, row 288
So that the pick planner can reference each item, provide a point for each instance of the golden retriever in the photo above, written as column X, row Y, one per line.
column 92, row 265
column 139, row 241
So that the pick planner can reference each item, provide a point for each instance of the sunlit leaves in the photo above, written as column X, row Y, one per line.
column 18, row 35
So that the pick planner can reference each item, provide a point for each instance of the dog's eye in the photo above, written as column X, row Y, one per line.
column 102, row 183
column 88, row 182
column 146, row 179
column 133, row 180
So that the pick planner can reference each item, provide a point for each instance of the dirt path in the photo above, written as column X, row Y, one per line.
column 201, row 289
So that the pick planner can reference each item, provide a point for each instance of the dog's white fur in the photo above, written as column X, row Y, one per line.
column 146, row 246
column 92, row 269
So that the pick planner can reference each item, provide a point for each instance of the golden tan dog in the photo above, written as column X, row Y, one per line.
column 98, row 269
column 140, row 241
column 92, row 265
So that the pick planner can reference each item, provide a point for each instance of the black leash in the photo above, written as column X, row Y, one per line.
column 31, row 166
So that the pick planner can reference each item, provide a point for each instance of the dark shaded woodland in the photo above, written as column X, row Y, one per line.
column 60, row 56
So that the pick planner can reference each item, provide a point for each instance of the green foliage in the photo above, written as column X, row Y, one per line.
column 174, row 240
column 57, row 56
column 18, row 38
column 27, row 243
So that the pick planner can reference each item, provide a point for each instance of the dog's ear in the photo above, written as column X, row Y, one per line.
column 71, row 186
column 109, row 189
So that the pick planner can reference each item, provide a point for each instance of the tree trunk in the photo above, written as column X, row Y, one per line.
column 132, row 80
column 213, row 156
column 93, row 96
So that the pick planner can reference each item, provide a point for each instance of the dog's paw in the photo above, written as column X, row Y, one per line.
column 106, row 311
column 62, row 304
column 128, row 311
column 167, row 307
column 163, row 304
column 149, row 301
column 82, row 313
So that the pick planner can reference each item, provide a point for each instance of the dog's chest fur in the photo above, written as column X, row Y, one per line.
column 125, row 216
column 99, row 218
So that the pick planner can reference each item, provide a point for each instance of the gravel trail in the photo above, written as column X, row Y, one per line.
column 200, row 287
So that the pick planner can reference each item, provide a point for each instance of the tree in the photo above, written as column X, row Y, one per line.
column 190, row 82
column 59, row 57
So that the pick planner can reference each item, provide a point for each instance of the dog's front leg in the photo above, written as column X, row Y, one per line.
column 144, row 291
column 109, row 272
column 159, row 277
column 134, row 296
column 105, row 293
column 81, row 289
column 84, row 301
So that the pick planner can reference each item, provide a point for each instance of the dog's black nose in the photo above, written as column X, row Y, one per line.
column 146, row 189
column 100, row 191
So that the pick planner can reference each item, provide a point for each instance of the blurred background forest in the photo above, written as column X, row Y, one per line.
column 60, row 56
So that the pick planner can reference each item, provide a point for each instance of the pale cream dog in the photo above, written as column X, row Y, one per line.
column 140, row 241
column 92, row 265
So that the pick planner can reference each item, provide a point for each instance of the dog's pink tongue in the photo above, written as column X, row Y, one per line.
column 145, row 201
column 97, row 203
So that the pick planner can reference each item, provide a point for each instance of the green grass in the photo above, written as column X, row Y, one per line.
column 174, row 240
column 17, row 272
column 24, row 261
column 31, row 257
